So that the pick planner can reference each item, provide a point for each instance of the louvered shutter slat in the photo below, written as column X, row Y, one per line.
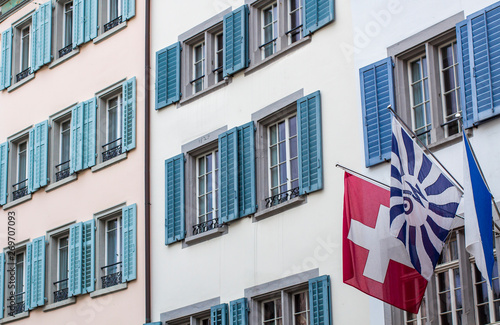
column 89, row 133
column 4, row 164
column 6, row 59
column 246, row 170
column 87, row 256
column 228, row 175
column 174, row 199
column 129, row 235
column 129, row 115
column 76, row 147
column 75, row 260
column 219, row 315
column 168, row 78
column 238, row 312
column 316, row 14
column 38, row 273
column 235, row 41
column 320, row 301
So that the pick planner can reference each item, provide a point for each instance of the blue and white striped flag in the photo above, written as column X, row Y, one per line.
column 478, row 215
column 423, row 202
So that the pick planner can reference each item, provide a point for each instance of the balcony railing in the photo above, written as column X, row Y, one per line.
column 112, row 24
column 282, row 197
column 18, row 307
column 112, row 279
column 23, row 74
column 62, row 170
column 206, row 226
column 114, row 149
column 65, row 50
column 20, row 189
column 62, row 292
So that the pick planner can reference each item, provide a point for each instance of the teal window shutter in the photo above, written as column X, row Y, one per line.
column 38, row 273
column 88, row 256
column 218, row 315
column 89, row 133
column 174, row 199
column 4, row 171
column 464, row 74
column 310, row 143
column 129, row 235
column 128, row 115
column 235, row 41
column 90, row 20
column 75, row 260
column 168, row 75
column 238, row 312
column 320, row 301
column 78, row 22
column 247, row 201
column 377, row 92
column 6, row 59
column 316, row 14
column 39, row 143
column 128, row 9
column 228, row 175
column 2, row 281
column 31, row 160
column 27, row 268
column 41, row 36
column 76, row 147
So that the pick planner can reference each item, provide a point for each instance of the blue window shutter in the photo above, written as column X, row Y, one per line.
column 235, row 41
column 128, row 115
column 78, row 22
column 4, row 172
column 90, row 20
column 316, row 14
column 320, row 301
column 34, row 40
column 41, row 153
column 2, row 279
column 38, row 273
column 128, row 9
column 75, row 260
column 129, row 235
column 168, row 75
column 76, row 147
column 247, row 201
column 218, row 315
column 31, row 160
column 27, row 267
column 238, row 312
column 377, row 92
column 310, row 144
column 174, row 199
column 88, row 256
column 6, row 59
column 465, row 74
column 89, row 133
column 41, row 36
column 228, row 175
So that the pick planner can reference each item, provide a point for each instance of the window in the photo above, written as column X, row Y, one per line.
column 487, row 301
column 21, row 58
column 19, row 169
column 113, row 129
column 450, row 88
column 271, row 312
column 63, row 42
column 60, row 145
column 19, row 290
column 295, row 20
column 219, row 57
column 301, row 308
column 420, row 103
column 58, row 264
column 62, row 262
column 114, row 9
column 417, row 319
column 68, row 24
column 269, row 30
column 25, row 48
column 207, row 189
column 113, row 13
column 198, row 67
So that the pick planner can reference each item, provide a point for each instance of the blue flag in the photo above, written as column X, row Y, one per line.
column 477, row 214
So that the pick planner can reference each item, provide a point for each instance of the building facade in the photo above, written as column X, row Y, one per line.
column 72, row 134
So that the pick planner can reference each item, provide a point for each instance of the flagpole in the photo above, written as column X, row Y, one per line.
column 425, row 146
column 361, row 175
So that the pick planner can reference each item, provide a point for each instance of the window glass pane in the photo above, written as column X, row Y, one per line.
column 269, row 312
column 22, row 161
column 63, row 262
column 19, row 277
column 65, row 142
column 25, row 48
column 113, row 9
column 68, row 24
column 415, row 71
column 112, row 247
column 113, row 129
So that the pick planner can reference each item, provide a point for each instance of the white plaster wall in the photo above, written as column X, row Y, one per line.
column 300, row 239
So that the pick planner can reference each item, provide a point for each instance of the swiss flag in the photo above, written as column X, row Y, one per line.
column 374, row 261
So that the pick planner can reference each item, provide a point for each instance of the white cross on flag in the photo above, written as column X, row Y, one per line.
column 374, row 261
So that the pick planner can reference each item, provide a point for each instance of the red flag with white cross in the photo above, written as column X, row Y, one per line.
column 374, row 261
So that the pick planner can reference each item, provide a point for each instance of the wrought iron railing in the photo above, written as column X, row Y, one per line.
column 23, row 74
column 114, row 149
column 282, row 197
column 63, row 170
column 65, row 50
column 18, row 307
column 294, row 30
column 111, row 279
column 22, row 190
column 206, row 226
column 62, row 293
column 112, row 24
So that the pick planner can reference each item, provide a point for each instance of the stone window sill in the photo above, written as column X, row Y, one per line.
column 268, row 212
column 110, row 162
column 22, row 82
column 110, row 32
column 16, row 202
column 60, row 304
column 207, row 235
column 64, row 58
column 205, row 92
column 445, row 142
column 103, row 292
column 265, row 62
column 14, row 318
column 62, row 182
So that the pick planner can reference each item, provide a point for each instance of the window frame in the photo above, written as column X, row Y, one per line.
column 20, row 248
column 60, row 49
column 14, row 142
column 55, row 150
column 214, row 183
column 17, row 49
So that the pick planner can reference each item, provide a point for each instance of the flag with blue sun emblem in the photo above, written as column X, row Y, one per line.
column 423, row 202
